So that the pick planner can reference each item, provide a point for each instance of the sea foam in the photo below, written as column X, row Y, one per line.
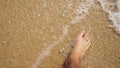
column 113, row 9
column 47, row 51
column 82, row 11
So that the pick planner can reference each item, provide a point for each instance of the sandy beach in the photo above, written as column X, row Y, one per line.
column 33, row 33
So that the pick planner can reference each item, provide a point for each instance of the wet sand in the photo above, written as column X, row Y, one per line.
column 29, row 28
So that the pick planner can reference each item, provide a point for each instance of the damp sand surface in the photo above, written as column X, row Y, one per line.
column 38, row 34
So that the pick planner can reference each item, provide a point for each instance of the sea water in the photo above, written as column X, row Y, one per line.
column 37, row 18
column 113, row 10
column 82, row 11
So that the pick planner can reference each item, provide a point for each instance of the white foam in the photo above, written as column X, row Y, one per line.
column 114, row 16
column 118, row 4
column 47, row 51
column 82, row 11
column 65, row 30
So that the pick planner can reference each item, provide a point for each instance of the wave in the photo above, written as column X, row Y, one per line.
column 47, row 51
column 82, row 11
column 113, row 9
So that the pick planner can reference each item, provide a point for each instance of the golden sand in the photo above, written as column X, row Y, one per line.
column 27, row 28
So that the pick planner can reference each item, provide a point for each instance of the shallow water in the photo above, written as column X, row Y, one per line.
column 38, row 34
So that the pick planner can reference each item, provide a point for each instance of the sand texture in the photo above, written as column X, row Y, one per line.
column 35, row 33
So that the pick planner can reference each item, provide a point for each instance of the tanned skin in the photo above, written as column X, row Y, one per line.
column 82, row 45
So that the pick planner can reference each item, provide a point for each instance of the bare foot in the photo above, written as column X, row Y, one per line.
column 82, row 44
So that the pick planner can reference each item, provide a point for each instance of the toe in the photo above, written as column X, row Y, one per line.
column 82, row 33
column 86, row 37
column 88, row 41
column 88, row 45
